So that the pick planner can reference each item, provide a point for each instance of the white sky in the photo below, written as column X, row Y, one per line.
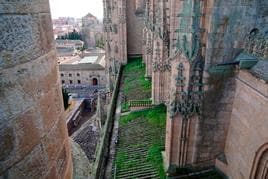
column 76, row 8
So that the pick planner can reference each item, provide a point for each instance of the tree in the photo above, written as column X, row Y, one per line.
column 65, row 98
column 100, row 43
column 74, row 35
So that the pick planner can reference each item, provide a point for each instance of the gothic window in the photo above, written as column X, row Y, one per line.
column 62, row 81
column 78, row 74
column 71, row 81
column 79, row 81
column 62, row 75
column 70, row 75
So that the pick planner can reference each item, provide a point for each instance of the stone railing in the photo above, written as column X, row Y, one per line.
column 140, row 104
column 102, row 150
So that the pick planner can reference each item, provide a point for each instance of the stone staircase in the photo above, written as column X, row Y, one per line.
column 135, row 139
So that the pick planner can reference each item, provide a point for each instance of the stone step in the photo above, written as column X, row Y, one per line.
column 138, row 138
column 138, row 174
column 127, row 144
column 137, row 168
column 141, row 160
column 140, row 153
column 129, row 147
column 156, row 176
column 133, row 150
column 137, row 156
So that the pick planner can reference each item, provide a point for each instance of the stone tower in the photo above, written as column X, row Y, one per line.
column 33, row 135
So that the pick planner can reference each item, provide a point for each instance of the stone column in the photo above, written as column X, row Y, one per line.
column 33, row 134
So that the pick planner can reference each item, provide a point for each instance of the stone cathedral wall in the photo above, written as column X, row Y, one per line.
column 227, row 24
column 223, row 28
column 135, row 27
column 247, row 131
column 33, row 134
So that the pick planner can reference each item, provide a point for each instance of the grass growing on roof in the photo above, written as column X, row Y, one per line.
column 141, row 140
column 136, row 86
column 155, row 157
column 155, row 116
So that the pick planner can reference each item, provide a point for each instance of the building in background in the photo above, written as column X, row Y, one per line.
column 87, row 71
column 91, row 31
column 65, row 25
column 69, row 47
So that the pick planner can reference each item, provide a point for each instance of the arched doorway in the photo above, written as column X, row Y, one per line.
column 260, row 165
column 94, row 81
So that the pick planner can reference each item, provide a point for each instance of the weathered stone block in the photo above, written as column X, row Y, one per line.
column 24, row 6
column 7, row 140
column 24, row 38
column 33, row 165
column 54, row 141
column 28, row 132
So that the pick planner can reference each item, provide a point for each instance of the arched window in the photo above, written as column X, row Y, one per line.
column 260, row 164
column 94, row 81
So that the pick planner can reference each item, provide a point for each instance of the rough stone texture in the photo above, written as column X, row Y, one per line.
column 115, row 35
column 23, row 38
column 33, row 131
column 82, row 167
column 87, row 137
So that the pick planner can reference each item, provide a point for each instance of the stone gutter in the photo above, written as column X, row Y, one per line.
column 102, row 153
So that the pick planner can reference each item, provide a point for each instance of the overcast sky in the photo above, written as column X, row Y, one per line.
column 76, row 8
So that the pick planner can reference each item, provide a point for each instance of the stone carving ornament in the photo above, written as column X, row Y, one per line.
column 257, row 43
column 187, row 100
column 161, row 66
